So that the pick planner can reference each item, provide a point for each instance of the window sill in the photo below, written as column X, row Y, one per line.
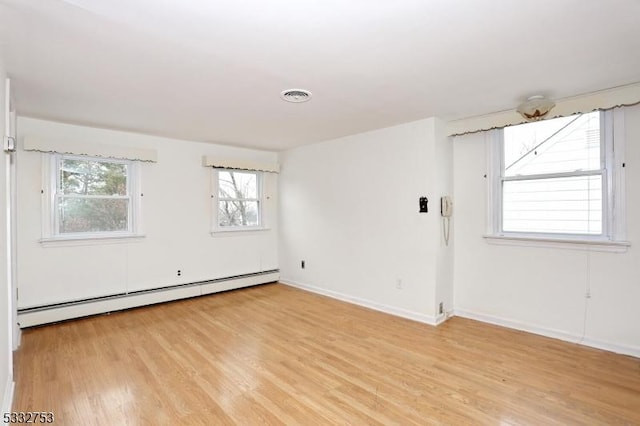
column 221, row 233
column 89, row 240
column 562, row 243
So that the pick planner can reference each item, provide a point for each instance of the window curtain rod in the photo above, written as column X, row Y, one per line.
column 621, row 96
column 222, row 163
column 75, row 147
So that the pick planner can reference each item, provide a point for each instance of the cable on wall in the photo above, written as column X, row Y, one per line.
column 446, row 229
column 587, row 296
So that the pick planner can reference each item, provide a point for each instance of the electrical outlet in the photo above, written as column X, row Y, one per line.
column 302, row 264
column 179, row 272
column 440, row 308
column 399, row 284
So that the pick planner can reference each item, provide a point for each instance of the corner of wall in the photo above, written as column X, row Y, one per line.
column 6, row 315
column 444, row 254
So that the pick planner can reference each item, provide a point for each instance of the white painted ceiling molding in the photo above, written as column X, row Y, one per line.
column 605, row 99
column 227, row 163
column 34, row 143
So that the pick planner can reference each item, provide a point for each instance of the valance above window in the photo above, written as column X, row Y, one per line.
column 33, row 143
column 603, row 100
column 222, row 163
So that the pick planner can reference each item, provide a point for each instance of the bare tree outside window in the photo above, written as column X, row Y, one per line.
column 238, row 199
column 92, row 196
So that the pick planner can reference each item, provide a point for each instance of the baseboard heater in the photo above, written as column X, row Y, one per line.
column 30, row 317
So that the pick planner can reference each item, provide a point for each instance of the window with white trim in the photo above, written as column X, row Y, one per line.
column 91, row 197
column 558, row 179
column 238, row 200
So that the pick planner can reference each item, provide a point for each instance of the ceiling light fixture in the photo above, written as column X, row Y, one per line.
column 535, row 108
column 296, row 95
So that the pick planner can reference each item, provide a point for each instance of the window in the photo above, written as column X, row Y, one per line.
column 239, row 200
column 557, row 179
column 91, row 197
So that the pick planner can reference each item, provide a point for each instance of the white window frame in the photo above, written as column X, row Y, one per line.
column 50, row 217
column 612, row 169
column 215, row 203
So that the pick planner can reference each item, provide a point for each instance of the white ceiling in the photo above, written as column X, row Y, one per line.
column 212, row 70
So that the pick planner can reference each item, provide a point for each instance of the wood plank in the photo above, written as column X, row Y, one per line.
column 273, row 354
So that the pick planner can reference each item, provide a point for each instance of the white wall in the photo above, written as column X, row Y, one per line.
column 176, row 210
column 6, row 309
column 542, row 289
column 349, row 208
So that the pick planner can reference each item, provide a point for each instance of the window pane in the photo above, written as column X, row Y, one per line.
column 238, row 213
column 92, row 177
column 564, row 144
column 93, row 215
column 561, row 205
column 237, row 184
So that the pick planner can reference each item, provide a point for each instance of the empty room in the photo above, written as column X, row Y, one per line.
column 305, row 212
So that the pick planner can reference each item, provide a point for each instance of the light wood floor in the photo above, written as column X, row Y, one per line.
column 276, row 355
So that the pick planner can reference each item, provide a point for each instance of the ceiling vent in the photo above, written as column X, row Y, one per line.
column 295, row 95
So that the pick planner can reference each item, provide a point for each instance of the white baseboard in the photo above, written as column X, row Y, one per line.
column 415, row 316
column 548, row 332
column 93, row 307
column 612, row 347
column 7, row 398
